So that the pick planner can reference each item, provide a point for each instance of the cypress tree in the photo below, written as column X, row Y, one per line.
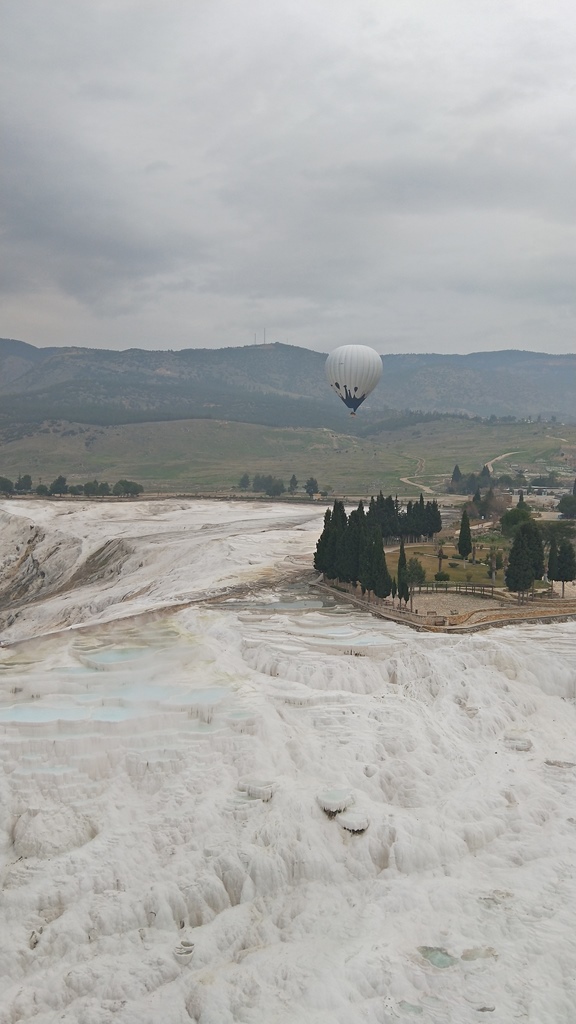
column 322, row 545
column 366, row 572
column 353, row 545
column 566, row 563
column 432, row 518
column 419, row 512
column 403, row 590
column 335, row 541
column 487, row 502
column 533, row 536
column 465, row 537
column 390, row 524
column 372, row 517
column 519, row 573
column 401, row 559
column 381, row 576
column 415, row 576
column 553, row 560
column 407, row 520
column 375, row 513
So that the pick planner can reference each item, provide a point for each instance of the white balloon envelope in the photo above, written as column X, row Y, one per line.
column 353, row 371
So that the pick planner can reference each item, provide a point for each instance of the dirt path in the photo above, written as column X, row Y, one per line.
column 415, row 483
column 498, row 459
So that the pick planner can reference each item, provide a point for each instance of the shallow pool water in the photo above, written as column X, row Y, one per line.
column 437, row 956
column 40, row 712
column 114, row 655
column 72, row 687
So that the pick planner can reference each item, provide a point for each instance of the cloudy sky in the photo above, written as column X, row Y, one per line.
column 190, row 173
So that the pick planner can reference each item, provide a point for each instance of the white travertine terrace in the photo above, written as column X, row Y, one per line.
column 165, row 762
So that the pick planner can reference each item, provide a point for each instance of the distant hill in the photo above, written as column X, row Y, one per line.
column 279, row 385
column 506, row 383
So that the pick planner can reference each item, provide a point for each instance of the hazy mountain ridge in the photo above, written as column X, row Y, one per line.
column 275, row 384
column 256, row 367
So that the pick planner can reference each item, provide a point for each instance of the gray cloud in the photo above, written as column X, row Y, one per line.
column 185, row 174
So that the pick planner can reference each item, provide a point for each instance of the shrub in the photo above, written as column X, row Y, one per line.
column 453, row 565
column 442, row 577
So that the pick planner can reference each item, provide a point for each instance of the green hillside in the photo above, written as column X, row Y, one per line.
column 196, row 456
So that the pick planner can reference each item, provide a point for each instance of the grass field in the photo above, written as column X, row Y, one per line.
column 459, row 572
column 195, row 456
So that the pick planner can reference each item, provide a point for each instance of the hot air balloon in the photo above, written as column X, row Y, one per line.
column 353, row 371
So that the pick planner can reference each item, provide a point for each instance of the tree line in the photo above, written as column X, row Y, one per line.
column 273, row 486
column 485, row 501
column 59, row 486
column 418, row 519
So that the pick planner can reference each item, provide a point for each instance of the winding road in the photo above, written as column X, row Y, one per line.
column 499, row 458
column 414, row 483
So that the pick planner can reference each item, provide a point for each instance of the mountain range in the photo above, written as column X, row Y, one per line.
column 276, row 384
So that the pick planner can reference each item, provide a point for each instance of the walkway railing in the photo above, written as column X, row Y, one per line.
column 482, row 589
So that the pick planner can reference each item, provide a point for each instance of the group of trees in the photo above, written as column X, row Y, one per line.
column 537, row 549
column 485, row 501
column 122, row 488
column 567, row 505
column 561, row 562
column 515, row 517
column 351, row 550
column 486, row 504
column 273, row 486
column 418, row 520
column 487, row 498
column 546, row 480
column 461, row 483
column 484, row 487
column 527, row 561
column 59, row 486
column 23, row 485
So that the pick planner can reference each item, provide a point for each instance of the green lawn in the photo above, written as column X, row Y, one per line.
column 459, row 572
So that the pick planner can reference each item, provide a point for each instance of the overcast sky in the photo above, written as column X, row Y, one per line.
column 188, row 173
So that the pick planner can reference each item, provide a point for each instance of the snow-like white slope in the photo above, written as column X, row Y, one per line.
column 275, row 812
column 90, row 562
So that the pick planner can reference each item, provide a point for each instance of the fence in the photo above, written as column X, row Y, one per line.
column 481, row 589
